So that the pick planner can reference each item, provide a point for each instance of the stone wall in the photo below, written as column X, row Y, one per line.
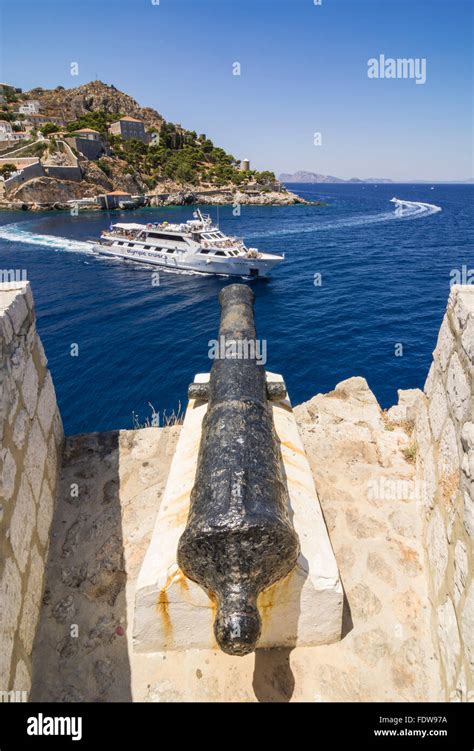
column 63, row 172
column 444, row 433
column 31, row 437
column 34, row 169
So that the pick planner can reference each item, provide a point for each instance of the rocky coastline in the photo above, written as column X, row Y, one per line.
column 62, row 195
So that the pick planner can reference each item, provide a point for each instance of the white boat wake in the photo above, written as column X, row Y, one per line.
column 412, row 209
column 405, row 210
column 15, row 234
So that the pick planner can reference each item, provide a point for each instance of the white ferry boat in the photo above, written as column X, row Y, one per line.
column 196, row 245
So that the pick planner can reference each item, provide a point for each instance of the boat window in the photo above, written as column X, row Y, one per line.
column 146, row 247
column 165, row 236
column 219, row 253
column 170, row 250
column 205, row 250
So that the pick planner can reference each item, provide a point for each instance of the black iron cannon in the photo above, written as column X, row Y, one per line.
column 238, row 538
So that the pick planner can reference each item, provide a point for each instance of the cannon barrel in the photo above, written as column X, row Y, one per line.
column 238, row 538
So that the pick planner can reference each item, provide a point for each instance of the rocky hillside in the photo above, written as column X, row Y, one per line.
column 72, row 104
column 170, row 160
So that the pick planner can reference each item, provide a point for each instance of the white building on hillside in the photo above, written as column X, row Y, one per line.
column 31, row 107
column 5, row 128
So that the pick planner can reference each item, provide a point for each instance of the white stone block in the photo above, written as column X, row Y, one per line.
column 461, row 570
column 22, row 524
column 6, row 328
column 437, row 548
column 18, row 312
column 10, row 599
column 35, row 457
column 467, row 625
column 8, row 475
column 22, row 680
column 47, row 404
column 438, row 408
column 303, row 609
column 20, row 430
column 449, row 639
column 445, row 344
column 29, row 387
column 45, row 512
column 32, row 601
column 448, row 459
column 458, row 388
column 468, row 516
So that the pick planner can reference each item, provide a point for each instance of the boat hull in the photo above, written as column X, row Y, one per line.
column 237, row 266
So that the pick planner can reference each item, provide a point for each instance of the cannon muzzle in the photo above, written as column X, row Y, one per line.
column 238, row 538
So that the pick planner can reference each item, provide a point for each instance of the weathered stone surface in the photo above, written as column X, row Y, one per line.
column 31, row 602
column 9, row 471
column 445, row 344
column 467, row 338
column 23, row 450
column 448, row 460
column 458, row 388
column 45, row 512
column 438, row 408
column 20, row 430
column 437, row 548
column 29, row 387
column 371, row 646
column 17, row 312
column 430, row 381
column 47, row 404
column 377, row 564
column 467, row 436
column 22, row 679
column 363, row 602
column 468, row 514
column 363, row 526
column 10, row 597
column 35, row 457
column 408, row 665
column 449, row 639
column 6, row 328
column 467, row 625
column 461, row 570
column 461, row 305
column 22, row 524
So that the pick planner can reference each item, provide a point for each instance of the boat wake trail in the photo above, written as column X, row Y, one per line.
column 404, row 210
column 413, row 209
column 15, row 234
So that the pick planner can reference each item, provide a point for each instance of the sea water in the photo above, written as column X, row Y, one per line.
column 362, row 292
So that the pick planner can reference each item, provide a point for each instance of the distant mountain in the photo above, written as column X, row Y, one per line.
column 313, row 177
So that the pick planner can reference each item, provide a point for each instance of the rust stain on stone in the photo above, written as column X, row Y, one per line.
column 162, row 604
column 292, row 448
column 162, row 608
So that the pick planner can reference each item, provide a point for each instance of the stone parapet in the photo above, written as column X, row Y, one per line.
column 31, row 436
column 444, row 431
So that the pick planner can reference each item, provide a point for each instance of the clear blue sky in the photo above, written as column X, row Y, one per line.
column 303, row 69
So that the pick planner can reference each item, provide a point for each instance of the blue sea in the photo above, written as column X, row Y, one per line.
column 362, row 292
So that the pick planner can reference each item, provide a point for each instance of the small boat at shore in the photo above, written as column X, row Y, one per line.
column 196, row 245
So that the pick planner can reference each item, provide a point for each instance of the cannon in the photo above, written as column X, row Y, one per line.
column 238, row 538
